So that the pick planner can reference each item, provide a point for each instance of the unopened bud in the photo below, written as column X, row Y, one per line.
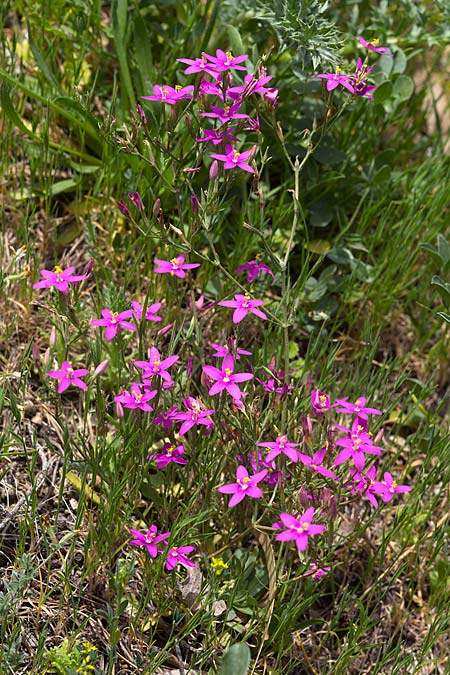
column 101, row 368
column 135, row 198
column 379, row 436
column 189, row 367
column 194, row 204
column 165, row 329
column 141, row 113
column 88, row 267
column 123, row 208
column 214, row 170
column 35, row 353
column 307, row 427
column 119, row 409
column 52, row 338
column 156, row 208
column 280, row 132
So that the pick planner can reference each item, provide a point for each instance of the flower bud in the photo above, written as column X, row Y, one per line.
column 141, row 113
column 214, row 170
column 123, row 208
column 88, row 268
column 156, row 208
column 194, row 204
column 52, row 338
column 136, row 200
column 35, row 352
column 165, row 329
column 119, row 409
column 101, row 368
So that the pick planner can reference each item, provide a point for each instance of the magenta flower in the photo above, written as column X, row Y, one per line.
column 364, row 482
column 359, row 80
column 176, row 266
column 281, row 445
column 243, row 304
column 113, row 321
column 233, row 159
column 196, row 414
column 150, row 311
column 137, row 399
column 225, row 60
column 149, row 540
column 357, row 408
column 273, row 476
column 169, row 453
column 176, row 556
column 270, row 386
column 388, row 487
column 156, row 366
column 226, row 378
column 245, row 486
column 253, row 268
column 217, row 136
column 316, row 572
column 252, row 85
column 59, row 278
column 222, row 350
column 208, row 88
column 225, row 114
column 372, row 46
column 170, row 95
column 166, row 417
column 336, row 79
column 67, row 375
column 198, row 65
column 298, row 530
column 136, row 200
column 320, row 402
column 315, row 462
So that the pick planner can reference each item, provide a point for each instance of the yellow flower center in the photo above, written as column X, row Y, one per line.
column 178, row 87
column 58, row 270
column 170, row 450
column 244, row 482
column 374, row 42
column 303, row 527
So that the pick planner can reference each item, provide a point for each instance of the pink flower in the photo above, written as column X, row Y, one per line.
column 217, row 136
column 166, row 417
column 357, row 408
column 149, row 540
column 315, row 462
column 364, row 482
column 222, row 350
column 243, row 305
column 246, row 486
column 149, row 313
column 388, row 487
column 59, row 278
column 196, row 414
column 252, row 85
column 176, row 266
column 225, row 114
column 299, row 530
column 317, row 572
column 170, row 95
column 113, row 321
column 335, row 79
column 281, row 445
column 372, row 46
column 136, row 199
column 253, row 268
column 359, row 80
column 355, row 445
column 67, row 376
column 233, row 159
column 320, row 402
column 169, row 453
column 225, row 60
column 137, row 399
column 198, row 65
column 176, row 556
column 226, row 378
column 156, row 366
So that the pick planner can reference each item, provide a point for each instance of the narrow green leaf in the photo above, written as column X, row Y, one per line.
column 10, row 112
column 42, row 65
column 236, row 660
column 443, row 288
column 120, row 21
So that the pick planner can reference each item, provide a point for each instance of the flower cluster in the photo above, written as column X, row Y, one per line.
column 175, row 555
column 357, row 84
column 218, row 80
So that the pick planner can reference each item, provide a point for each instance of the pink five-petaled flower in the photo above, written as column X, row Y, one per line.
column 226, row 378
column 320, row 402
column 59, row 278
column 359, row 80
column 137, row 399
column 233, row 159
column 169, row 453
column 225, row 114
column 176, row 266
column 198, row 65
column 316, row 572
column 243, row 304
column 281, row 445
column 170, row 95
column 253, row 268
column 196, row 414
column 372, row 46
column 176, row 556
column 358, row 407
column 223, row 350
column 315, row 462
column 67, row 376
column 387, row 488
column 245, row 486
column 149, row 312
column 217, row 136
column 149, row 540
column 298, row 530
column 364, row 482
column 154, row 366
column 113, row 321
column 355, row 445
column 225, row 60
column 336, row 79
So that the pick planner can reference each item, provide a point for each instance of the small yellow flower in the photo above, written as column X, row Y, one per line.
column 218, row 565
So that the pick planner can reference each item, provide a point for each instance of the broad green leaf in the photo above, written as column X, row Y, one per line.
column 237, row 46
column 319, row 246
column 403, row 88
column 383, row 92
column 341, row 256
column 66, row 185
column 399, row 65
column 236, row 660
column 443, row 288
